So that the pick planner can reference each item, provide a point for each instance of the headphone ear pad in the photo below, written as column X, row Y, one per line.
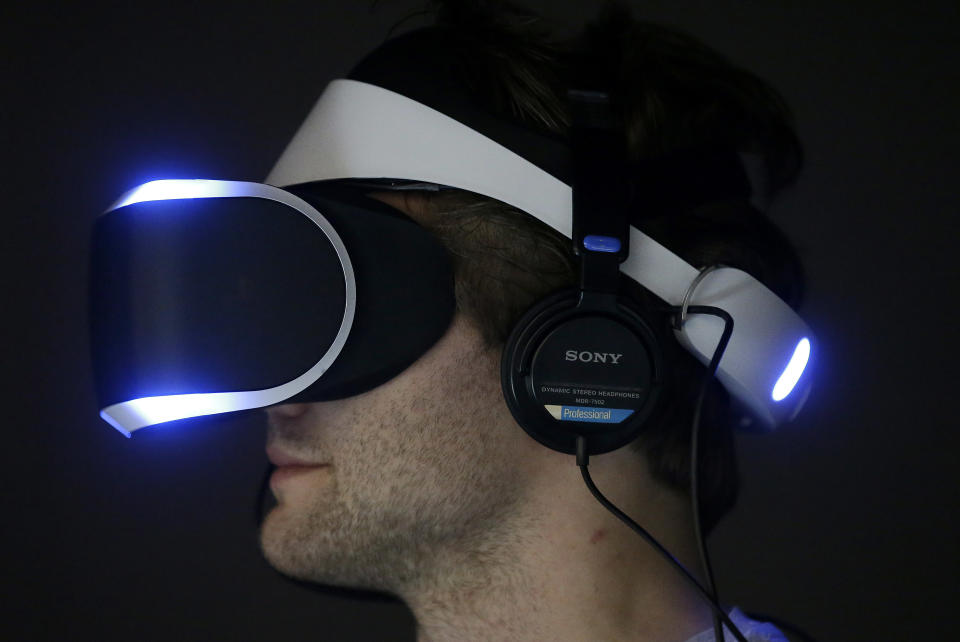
column 575, row 366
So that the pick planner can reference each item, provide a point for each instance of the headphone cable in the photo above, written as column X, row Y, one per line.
column 694, row 459
column 583, row 463
column 694, row 485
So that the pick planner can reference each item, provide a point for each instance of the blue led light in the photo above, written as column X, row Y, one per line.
column 148, row 411
column 791, row 374
column 166, row 190
column 601, row 243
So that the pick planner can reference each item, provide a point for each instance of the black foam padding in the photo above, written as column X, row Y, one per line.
column 405, row 290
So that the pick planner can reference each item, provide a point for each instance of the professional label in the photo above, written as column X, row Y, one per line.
column 586, row 413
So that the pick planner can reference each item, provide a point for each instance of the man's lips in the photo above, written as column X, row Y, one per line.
column 283, row 474
column 289, row 467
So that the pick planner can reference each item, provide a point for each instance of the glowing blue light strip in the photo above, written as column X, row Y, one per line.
column 113, row 422
column 791, row 374
column 148, row 411
column 169, row 189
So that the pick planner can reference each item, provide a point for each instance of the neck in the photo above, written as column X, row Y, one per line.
column 568, row 569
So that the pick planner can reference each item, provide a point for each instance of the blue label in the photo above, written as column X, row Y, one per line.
column 588, row 413
column 601, row 243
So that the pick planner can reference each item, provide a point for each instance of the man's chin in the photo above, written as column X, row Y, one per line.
column 275, row 544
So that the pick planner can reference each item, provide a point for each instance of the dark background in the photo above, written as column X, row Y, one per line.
column 846, row 524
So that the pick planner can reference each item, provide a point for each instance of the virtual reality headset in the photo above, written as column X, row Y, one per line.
column 215, row 296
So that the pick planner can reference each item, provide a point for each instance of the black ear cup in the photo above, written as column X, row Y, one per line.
column 572, row 367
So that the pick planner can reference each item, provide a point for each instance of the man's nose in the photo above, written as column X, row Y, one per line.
column 288, row 411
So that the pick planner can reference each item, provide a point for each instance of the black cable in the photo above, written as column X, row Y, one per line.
column 694, row 484
column 583, row 461
column 694, row 462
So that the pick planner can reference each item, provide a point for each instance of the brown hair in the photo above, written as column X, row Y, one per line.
column 676, row 93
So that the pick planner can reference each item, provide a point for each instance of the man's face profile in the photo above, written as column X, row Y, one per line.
column 417, row 466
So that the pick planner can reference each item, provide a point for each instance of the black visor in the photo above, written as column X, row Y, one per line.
column 217, row 296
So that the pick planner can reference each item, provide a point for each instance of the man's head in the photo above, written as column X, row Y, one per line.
column 432, row 493
column 432, row 463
